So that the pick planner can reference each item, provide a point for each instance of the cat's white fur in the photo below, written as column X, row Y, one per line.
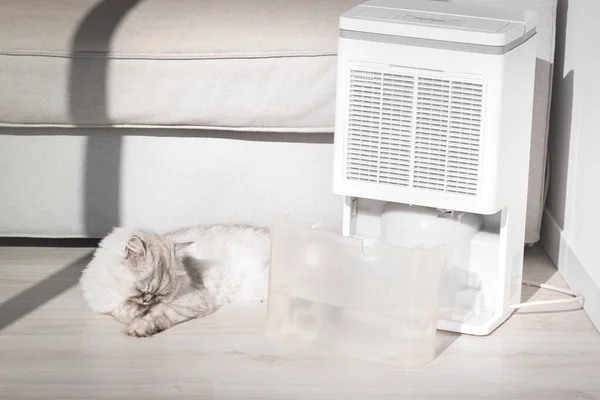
column 202, row 268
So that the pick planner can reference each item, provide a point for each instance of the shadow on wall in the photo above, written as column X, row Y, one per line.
column 88, row 105
column 88, row 99
column 560, row 121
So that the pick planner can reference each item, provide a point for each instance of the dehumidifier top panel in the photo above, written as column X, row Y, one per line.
column 446, row 22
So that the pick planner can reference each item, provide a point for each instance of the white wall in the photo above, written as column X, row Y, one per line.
column 571, row 229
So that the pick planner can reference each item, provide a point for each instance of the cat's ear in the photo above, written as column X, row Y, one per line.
column 180, row 247
column 135, row 247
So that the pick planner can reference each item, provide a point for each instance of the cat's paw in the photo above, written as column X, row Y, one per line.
column 141, row 328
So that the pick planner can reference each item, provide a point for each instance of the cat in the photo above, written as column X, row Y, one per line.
column 151, row 282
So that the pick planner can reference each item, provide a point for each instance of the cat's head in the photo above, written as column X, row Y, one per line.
column 156, row 267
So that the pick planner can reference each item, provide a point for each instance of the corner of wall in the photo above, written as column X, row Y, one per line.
column 570, row 267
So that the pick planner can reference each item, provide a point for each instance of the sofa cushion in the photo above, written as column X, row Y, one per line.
column 235, row 64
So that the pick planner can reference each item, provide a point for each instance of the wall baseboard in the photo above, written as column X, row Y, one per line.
column 570, row 267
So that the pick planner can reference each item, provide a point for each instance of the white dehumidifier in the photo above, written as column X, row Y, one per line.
column 432, row 137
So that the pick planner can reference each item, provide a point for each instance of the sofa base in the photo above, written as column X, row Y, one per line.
column 83, row 182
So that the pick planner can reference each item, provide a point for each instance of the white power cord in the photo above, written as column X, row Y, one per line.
column 576, row 297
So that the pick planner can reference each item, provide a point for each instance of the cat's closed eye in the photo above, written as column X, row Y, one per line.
column 146, row 298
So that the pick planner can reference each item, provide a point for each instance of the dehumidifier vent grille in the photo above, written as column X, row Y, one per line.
column 380, row 127
column 414, row 130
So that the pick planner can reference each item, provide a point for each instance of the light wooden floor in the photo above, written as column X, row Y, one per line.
column 52, row 347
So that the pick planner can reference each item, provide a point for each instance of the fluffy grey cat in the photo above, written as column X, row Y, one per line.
column 151, row 282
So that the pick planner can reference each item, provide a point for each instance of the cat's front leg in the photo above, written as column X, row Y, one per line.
column 159, row 318
column 127, row 311
column 162, row 317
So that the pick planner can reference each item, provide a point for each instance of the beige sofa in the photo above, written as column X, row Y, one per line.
column 163, row 113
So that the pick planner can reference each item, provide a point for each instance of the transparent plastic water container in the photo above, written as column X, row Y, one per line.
column 376, row 302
